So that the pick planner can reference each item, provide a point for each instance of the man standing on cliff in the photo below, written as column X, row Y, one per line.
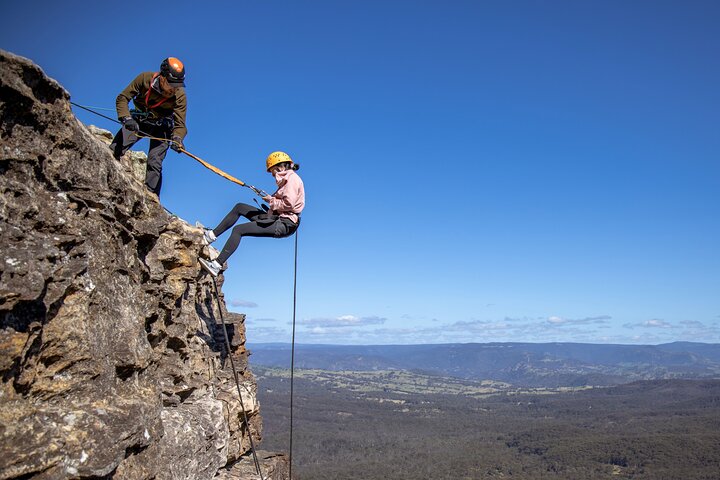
column 160, row 109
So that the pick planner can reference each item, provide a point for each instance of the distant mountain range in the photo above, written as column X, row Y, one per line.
column 524, row 364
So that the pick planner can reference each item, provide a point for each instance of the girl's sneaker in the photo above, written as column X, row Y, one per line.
column 212, row 267
column 208, row 235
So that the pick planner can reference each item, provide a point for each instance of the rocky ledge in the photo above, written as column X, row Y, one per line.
column 112, row 354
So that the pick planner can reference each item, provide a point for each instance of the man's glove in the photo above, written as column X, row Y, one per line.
column 177, row 144
column 130, row 124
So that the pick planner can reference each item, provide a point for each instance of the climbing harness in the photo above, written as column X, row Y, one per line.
column 149, row 118
column 237, row 381
column 141, row 134
column 140, row 115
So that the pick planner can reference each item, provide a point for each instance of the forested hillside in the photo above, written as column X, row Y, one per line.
column 368, row 428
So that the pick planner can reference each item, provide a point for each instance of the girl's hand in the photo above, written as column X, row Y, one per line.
column 267, row 198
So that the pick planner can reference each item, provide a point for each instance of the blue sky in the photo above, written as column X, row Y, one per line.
column 475, row 171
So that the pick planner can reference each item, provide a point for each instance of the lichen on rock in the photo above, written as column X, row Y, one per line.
column 112, row 355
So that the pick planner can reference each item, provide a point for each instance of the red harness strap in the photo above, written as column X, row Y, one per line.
column 147, row 95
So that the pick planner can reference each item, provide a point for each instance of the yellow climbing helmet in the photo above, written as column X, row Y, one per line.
column 275, row 158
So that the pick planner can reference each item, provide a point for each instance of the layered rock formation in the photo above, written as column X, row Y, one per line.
column 111, row 350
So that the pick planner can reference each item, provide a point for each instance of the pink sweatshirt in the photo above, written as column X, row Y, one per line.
column 289, row 199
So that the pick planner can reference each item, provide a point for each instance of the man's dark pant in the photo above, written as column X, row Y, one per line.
column 125, row 139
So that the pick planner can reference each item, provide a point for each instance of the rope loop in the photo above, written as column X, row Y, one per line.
column 292, row 355
column 237, row 380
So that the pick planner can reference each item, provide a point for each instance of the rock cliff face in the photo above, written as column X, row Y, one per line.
column 111, row 350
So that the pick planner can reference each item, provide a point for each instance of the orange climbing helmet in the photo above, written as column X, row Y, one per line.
column 174, row 70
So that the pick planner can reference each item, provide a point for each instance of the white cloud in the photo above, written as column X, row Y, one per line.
column 343, row 321
column 352, row 329
column 259, row 320
column 694, row 330
column 416, row 318
column 268, row 334
column 243, row 303
column 652, row 323
column 657, row 323
column 658, row 330
column 602, row 319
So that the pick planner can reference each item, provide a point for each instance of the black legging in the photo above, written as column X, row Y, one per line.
column 281, row 227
